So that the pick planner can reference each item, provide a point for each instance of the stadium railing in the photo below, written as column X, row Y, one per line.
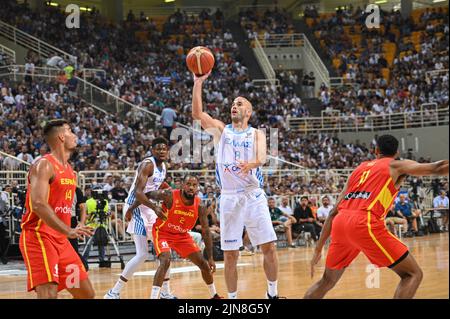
column 434, row 73
column 300, row 41
column 426, row 116
column 118, row 225
column 13, row 169
column 28, row 41
column 98, row 98
column 264, row 62
column 7, row 53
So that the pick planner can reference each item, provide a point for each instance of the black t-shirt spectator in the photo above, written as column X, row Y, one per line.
column 306, row 80
column 303, row 213
column 78, row 200
column 119, row 194
column 312, row 80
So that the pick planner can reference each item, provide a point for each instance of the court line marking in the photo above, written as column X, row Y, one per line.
column 179, row 270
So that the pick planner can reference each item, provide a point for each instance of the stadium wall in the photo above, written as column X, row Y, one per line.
column 431, row 141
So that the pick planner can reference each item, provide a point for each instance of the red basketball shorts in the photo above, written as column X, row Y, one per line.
column 182, row 243
column 360, row 231
column 48, row 260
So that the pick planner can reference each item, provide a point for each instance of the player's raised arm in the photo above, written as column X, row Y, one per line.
column 215, row 127
column 206, row 235
column 40, row 176
column 409, row 167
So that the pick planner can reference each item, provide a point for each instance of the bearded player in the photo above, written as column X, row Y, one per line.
column 182, row 208
column 52, row 263
column 149, row 176
column 357, row 223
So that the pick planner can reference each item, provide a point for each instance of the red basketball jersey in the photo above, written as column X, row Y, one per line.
column 60, row 199
column 180, row 218
column 370, row 188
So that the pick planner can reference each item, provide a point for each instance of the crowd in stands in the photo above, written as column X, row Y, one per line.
column 152, row 74
column 387, row 66
column 272, row 21
column 144, row 60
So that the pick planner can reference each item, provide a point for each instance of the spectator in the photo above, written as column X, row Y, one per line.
column 311, row 85
column 281, row 221
column 212, row 221
column 24, row 155
column 109, row 182
column 441, row 204
column 168, row 117
column 393, row 218
column 285, row 207
column 29, row 70
column 305, row 219
column 404, row 208
column 118, row 192
column 42, row 151
column 324, row 210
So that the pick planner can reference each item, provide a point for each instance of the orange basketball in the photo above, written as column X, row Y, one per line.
column 200, row 60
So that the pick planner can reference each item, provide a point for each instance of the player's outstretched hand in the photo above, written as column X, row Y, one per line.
column 159, row 212
column 128, row 214
column 212, row 265
column 315, row 259
column 202, row 78
column 245, row 168
column 80, row 231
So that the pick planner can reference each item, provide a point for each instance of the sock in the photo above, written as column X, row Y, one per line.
column 232, row 295
column 212, row 290
column 118, row 286
column 272, row 288
column 155, row 292
column 165, row 289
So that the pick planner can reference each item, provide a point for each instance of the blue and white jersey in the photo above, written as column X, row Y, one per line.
column 153, row 182
column 234, row 147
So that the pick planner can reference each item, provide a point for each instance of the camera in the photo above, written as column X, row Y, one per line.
column 101, row 203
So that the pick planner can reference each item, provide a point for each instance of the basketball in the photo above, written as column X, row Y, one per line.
column 200, row 60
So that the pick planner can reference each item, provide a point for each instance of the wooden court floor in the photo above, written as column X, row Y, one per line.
column 431, row 252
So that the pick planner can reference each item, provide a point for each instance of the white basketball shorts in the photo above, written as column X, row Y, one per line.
column 249, row 209
column 142, row 221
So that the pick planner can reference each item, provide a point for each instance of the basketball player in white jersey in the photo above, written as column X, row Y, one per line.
column 240, row 152
column 149, row 176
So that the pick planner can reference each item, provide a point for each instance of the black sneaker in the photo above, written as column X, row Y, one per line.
column 274, row 297
column 216, row 296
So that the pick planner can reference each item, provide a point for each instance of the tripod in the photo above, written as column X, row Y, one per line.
column 116, row 248
column 110, row 239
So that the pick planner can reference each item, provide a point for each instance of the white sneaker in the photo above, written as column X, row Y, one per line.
column 111, row 295
column 163, row 295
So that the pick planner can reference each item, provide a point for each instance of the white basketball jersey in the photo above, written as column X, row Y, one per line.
column 153, row 182
column 232, row 148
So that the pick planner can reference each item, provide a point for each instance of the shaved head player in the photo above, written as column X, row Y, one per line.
column 241, row 151
column 357, row 223
column 51, row 261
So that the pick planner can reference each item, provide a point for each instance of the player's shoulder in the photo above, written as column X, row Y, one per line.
column 43, row 162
